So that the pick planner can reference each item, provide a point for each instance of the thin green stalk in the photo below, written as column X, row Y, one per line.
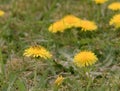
column 89, row 82
column 55, row 88
column 35, row 76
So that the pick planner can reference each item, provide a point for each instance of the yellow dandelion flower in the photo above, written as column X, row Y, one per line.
column 88, row 25
column 66, row 22
column 100, row 1
column 59, row 80
column 114, row 6
column 71, row 21
column 37, row 51
column 85, row 58
column 115, row 21
column 2, row 13
column 57, row 26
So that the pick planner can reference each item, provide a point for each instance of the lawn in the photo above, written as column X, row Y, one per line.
column 26, row 24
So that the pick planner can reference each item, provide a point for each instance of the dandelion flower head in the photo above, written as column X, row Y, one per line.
column 37, row 51
column 66, row 22
column 71, row 21
column 85, row 58
column 88, row 25
column 114, row 6
column 58, row 26
column 100, row 1
column 2, row 13
column 59, row 80
column 115, row 21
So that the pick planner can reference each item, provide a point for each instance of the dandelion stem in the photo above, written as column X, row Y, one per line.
column 35, row 76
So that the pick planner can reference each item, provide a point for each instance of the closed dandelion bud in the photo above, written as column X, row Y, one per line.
column 59, row 80
column 2, row 13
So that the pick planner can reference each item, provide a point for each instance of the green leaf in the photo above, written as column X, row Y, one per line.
column 21, row 85
column 1, row 63
column 12, row 78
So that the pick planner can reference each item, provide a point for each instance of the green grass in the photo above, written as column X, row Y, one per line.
column 26, row 23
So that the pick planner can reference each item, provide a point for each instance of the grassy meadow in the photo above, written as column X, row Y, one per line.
column 26, row 22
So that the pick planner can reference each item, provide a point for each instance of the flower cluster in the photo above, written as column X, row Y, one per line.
column 70, row 21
